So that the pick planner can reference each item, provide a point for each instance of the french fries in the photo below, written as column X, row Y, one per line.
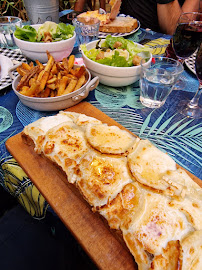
column 70, row 87
column 50, row 80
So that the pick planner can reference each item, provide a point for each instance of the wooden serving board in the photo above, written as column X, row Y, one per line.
column 88, row 228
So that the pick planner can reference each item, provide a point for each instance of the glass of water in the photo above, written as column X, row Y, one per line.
column 157, row 81
column 7, row 28
column 86, row 31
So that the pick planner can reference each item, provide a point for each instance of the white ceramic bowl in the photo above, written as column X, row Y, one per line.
column 37, row 50
column 55, row 103
column 113, row 76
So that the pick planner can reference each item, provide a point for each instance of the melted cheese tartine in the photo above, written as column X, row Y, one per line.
column 135, row 186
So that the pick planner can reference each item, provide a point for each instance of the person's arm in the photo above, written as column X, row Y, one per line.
column 168, row 14
column 103, row 4
column 79, row 5
column 191, row 5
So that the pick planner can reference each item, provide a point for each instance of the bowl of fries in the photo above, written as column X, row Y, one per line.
column 53, row 86
column 37, row 50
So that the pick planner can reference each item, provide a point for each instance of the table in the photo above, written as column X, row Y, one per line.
column 167, row 129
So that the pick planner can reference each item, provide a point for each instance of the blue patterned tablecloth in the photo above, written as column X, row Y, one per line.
column 175, row 134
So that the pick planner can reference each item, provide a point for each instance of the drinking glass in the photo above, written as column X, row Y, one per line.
column 7, row 28
column 86, row 31
column 192, row 109
column 157, row 80
column 187, row 36
column 186, row 40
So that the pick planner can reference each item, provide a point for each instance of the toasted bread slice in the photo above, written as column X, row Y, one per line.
column 120, row 25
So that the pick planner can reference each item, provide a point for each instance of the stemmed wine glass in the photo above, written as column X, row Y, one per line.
column 186, row 40
column 193, row 106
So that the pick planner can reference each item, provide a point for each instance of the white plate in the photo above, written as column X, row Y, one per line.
column 190, row 62
column 7, row 57
column 5, row 64
column 104, row 34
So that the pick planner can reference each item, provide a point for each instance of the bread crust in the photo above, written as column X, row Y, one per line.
column 27, row 140
column 120, row 25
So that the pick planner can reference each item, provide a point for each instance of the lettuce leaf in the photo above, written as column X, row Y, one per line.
column 63, row 32
column 129, row 45
column 50, row 27
column 115, row 61
column 109, row 42
column 58, row 32
column 91, row 54
column 66, row 29
column 27, row 33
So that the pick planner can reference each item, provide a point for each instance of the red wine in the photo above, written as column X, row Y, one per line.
column 198, row 64
column 187, row 38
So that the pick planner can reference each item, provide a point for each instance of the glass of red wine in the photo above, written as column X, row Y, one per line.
column 186, row 41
